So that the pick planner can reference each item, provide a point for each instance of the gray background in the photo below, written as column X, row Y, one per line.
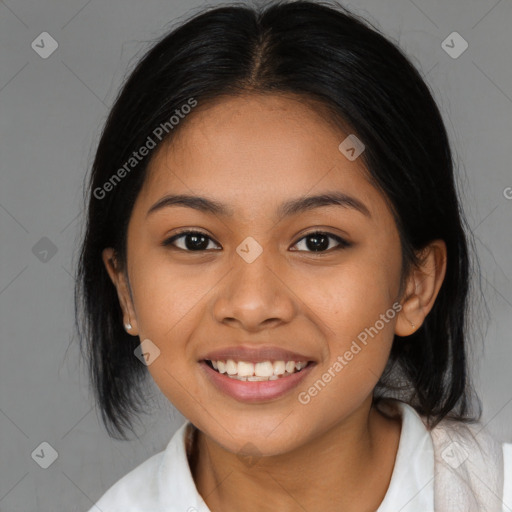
column 51, row 113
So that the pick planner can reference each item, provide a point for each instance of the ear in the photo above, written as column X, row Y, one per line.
column 423, row 284
column 120, row 280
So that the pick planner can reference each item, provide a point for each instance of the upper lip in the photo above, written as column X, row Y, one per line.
column 255, row 354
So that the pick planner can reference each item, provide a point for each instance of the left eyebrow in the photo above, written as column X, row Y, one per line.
column 286, row 209
column 303, row 204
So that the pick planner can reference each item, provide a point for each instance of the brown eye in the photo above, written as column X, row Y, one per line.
column 193, row 241
column 319, row 241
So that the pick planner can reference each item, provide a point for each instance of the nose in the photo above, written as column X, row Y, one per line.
column 254, row 296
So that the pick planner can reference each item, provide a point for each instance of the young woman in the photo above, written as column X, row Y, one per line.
column 274, row 235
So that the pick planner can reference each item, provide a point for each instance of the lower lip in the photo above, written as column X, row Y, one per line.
column 247, row 391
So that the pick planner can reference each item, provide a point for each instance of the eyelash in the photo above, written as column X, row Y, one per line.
column 343, row 244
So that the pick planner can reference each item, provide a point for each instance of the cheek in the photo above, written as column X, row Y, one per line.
column 355, row 309
column 169, row 303
column 353, row 303
column 352, row 295
column 167, row 296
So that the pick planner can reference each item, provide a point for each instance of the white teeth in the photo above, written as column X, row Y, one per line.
column 279, row 367
column 231, row 367
column 261, row 371
column 290, row 366
column 254, row 378
column 246, row 369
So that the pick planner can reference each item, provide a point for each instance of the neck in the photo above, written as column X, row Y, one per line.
column 348, row 467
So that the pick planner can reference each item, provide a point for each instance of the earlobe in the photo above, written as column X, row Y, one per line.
column 119, row 280
column 423, row 285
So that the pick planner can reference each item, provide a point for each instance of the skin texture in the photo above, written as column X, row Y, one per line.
column 252, row 153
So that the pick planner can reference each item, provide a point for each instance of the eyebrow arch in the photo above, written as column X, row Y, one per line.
column 286, row 209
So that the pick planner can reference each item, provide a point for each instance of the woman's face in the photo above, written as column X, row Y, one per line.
column 257, row 280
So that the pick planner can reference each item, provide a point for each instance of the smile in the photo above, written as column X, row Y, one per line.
column 257, row 372
column 261, row 381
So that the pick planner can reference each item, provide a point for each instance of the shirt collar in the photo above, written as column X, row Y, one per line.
column 412, row 482
column 176, row 484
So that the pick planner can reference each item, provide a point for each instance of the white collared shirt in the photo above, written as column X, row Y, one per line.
column 164, row 482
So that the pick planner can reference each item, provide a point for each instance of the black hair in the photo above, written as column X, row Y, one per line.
column 319, row 52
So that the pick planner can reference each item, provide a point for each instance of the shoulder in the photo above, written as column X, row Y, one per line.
column 152, row 485
column 137, row 488
column 472, row 464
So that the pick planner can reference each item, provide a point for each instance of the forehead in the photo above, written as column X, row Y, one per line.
column 255, row 150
